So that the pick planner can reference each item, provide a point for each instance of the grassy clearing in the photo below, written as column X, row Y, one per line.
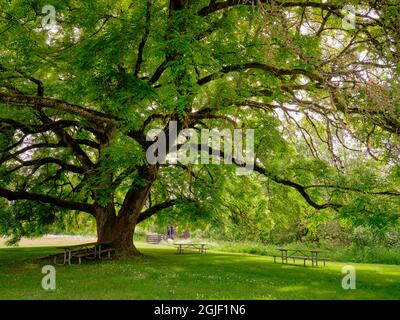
column 161, row 274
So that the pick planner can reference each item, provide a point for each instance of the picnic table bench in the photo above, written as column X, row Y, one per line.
column 92, row 250
column 181, row 246
column 314, row 258
column 154, row 238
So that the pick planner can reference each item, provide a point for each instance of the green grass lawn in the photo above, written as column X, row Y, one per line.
column 162, row 274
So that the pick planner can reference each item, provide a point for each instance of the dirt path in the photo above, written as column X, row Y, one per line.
column 63, row 240
column 51, row 240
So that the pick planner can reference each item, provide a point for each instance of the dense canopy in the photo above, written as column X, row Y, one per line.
column 318, row 81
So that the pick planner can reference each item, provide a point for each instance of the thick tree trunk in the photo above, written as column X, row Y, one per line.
column 123, row 232
column 105, row 221
column 118, row 230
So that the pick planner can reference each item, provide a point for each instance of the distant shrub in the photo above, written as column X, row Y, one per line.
column 364, row 237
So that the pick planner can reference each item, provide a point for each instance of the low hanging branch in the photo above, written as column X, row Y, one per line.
column 301, row 189
column 15, row 195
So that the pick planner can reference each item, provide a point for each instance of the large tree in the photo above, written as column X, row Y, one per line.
column 78, row 98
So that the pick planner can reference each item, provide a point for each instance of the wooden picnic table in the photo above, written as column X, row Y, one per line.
column 180, row 246
column 92, row 248
column 314, row 255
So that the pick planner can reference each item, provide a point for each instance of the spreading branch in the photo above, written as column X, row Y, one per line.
column 155, row 209
column 15, row 195
column 39, row 103
column 37, row 163
column 144, row 39
column 256, row 65
column 216, row 6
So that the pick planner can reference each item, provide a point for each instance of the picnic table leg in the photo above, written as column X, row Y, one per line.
column 314, row 257
column 69, row 256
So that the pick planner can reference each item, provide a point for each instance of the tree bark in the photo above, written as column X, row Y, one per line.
column 105, row 221
column 119, row 229
column 123, row 232
column 116, row 229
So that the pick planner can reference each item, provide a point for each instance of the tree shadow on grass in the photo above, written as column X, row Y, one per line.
column 286, row 281
column 163, row 274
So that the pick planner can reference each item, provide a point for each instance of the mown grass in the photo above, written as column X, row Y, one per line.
column 162, row 274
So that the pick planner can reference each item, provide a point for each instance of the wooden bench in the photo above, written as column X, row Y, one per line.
column 83, row 255
column 54, row 257
column 58, row 256
column 277, row 256
column 91, row 254
column 201, row 247
column 323, row 260
column 108, row 251
column 154, row 238
column 304, row 258
column 91, row 250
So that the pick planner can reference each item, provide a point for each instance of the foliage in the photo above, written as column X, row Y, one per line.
column 77, row 100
